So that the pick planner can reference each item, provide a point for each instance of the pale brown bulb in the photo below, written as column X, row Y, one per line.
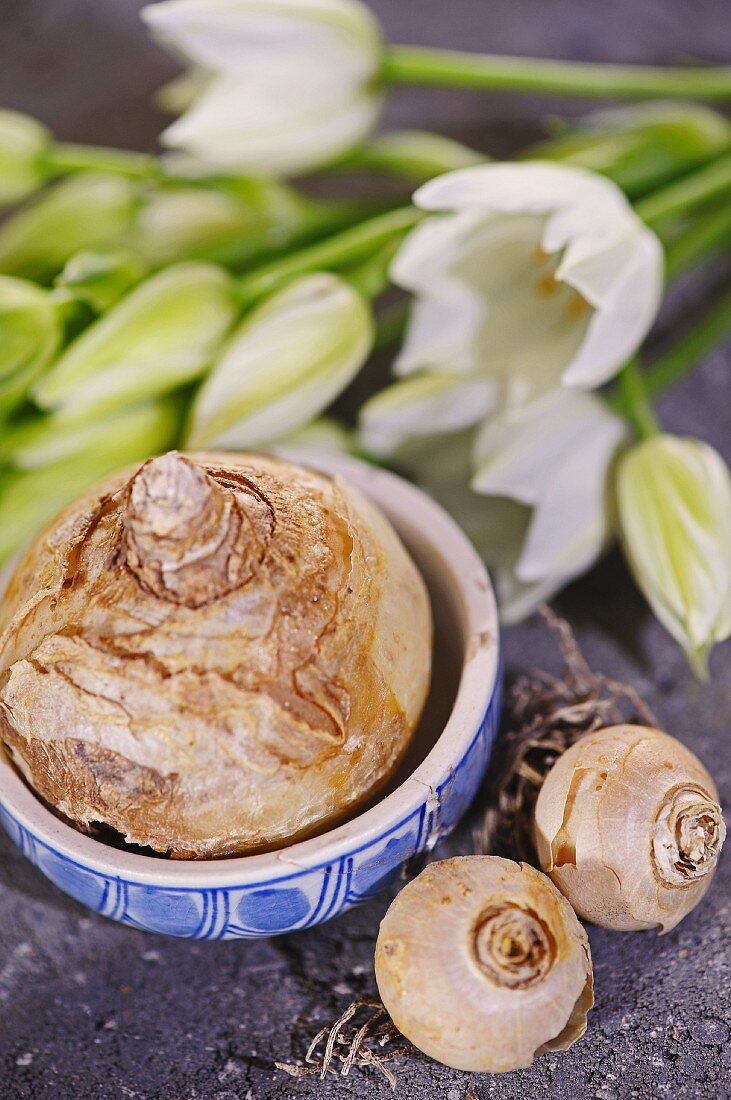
column 483, row 965
column 629, row 827
column 217, row 654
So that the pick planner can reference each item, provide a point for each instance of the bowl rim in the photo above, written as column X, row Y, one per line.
column 475, row 696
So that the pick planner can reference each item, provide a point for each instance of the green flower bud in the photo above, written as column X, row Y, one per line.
column 290, row 357
column 674, row 498
column 416, row 154
column 86, row 211
column 101, row 278
column 642, row 145
column 229, row 220
column 30, row 335
column 23, row 141
column 323, row 434
column 45, row 440
column 160, row 337
column 30, row 498
column 191, row 223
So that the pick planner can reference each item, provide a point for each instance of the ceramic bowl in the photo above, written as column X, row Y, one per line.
column 314, row 880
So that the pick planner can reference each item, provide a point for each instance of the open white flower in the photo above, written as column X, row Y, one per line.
column 536, row 274
column 537, row 509
column 291, row 84
column 554, row 456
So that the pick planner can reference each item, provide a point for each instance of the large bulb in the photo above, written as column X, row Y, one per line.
column 216, row 655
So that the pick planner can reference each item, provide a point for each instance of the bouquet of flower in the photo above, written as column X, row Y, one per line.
column 198, row 299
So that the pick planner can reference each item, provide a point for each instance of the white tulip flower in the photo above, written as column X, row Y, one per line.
column 538, row 507
column 553, row 455
column 291, row 85
column 287, row 360
column 536, row 274
column 674, row 497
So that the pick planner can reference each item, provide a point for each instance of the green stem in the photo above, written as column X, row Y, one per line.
column 687, row 194
column 414, row 155
column 391, row 324
column 63, row 159
column 317, row 220
column 634, row 402
column 422, row 65
column 707, row 332
column 371, row 276
column 635, row 388
column 707, row 234
column 639, row 163
column 356, row 243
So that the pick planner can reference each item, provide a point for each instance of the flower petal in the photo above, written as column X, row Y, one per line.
column 422, row 405
column 271, row 37
column 323, row 434
column 624, row 306
column 518, row 451
column 571, row 524
column 533, row 187
column 517, row 600
column 264, row 130
column 292, row 82
column 496, row 526
column 23, row 141
column 89, row 210
column 487, row 302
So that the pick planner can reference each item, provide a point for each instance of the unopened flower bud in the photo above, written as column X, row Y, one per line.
column 161, row 336
column 30, row 334
column 86, row 211
column 22, row 144
column 101, row 278
column 287, row 361
column 674, row 499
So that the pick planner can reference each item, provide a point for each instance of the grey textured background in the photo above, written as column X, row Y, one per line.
column 91, row 1009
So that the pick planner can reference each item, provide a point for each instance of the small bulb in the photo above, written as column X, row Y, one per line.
column 628, row 826
column 483, row 965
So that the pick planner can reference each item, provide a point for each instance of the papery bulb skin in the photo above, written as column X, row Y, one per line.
column 213, row 655
column 483, row 966
column 629, row 827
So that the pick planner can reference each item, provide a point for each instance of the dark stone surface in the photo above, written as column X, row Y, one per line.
column 91, row 1009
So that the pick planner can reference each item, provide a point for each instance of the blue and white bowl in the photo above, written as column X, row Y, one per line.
column 314, row 880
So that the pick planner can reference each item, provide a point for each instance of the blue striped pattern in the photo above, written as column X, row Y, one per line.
column 297, row 900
